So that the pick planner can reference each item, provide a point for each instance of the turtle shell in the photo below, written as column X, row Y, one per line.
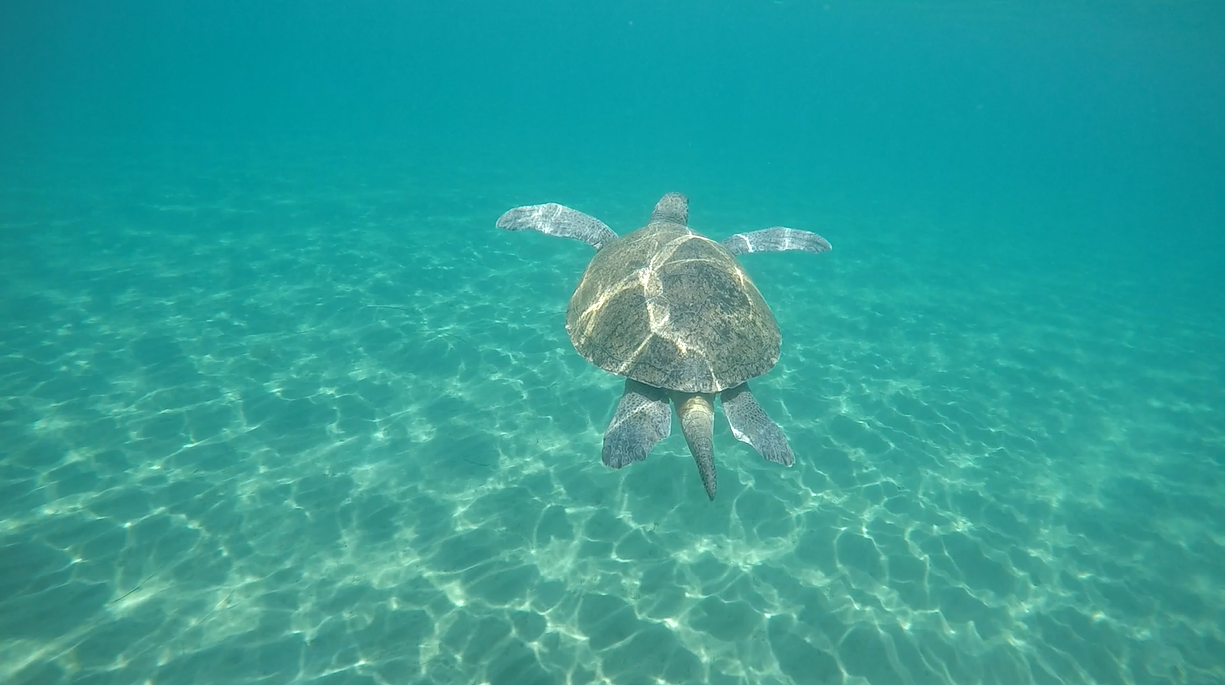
column 673, row 309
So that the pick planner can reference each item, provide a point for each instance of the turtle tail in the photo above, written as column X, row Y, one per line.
column 697, row 415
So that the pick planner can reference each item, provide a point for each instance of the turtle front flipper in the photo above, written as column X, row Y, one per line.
column 777, row 239
column 697, row 415
column 751, row 425
column 643, row 418
column 558, row 220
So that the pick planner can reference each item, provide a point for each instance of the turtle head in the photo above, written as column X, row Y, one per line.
column 672, row 208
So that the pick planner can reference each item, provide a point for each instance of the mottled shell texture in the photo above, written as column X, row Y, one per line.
column 672, row 309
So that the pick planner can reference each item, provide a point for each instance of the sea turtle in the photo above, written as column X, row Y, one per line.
column 675, row 314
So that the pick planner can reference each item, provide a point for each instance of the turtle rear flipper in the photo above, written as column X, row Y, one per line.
column 751, row 425
column 777, row 239
column 643, row 418
column 558, row 220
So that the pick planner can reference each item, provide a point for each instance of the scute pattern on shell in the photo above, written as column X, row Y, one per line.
column 673, row 309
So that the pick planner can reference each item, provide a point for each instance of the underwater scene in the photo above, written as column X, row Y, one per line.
column 282, row 400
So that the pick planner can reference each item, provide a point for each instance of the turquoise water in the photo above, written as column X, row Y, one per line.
column 279, row 404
